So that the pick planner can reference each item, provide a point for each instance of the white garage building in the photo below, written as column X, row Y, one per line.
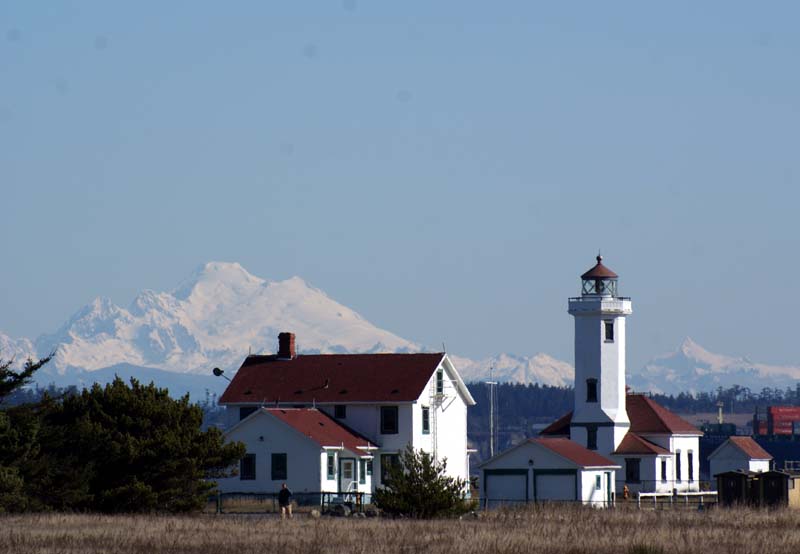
column 738, row 453
column 547, row 469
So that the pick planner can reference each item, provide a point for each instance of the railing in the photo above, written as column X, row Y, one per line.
column 672, row 498
column 267, row 503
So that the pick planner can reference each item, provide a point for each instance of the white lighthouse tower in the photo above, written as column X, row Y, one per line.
column 599, row 419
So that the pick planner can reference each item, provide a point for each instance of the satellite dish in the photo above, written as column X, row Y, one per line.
column 217, row 372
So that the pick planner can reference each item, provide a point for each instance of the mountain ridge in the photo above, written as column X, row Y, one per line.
column 220, row 313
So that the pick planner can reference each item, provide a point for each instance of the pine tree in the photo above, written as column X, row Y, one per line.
column 418, row 487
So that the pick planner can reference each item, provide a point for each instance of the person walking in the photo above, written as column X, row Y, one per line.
column 285, row 501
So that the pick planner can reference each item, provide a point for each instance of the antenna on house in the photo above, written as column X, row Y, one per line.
column 444, row 348
column 492, row 417
column 219, row 373
column 249, row 350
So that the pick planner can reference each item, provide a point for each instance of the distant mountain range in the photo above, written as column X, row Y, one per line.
column 222, row 312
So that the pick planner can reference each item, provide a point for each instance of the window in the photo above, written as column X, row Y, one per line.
column 598, row 482
column 677, row 465
column 440, row 381
column 591, row 390
column 632, row 470
column 388, row 460
column 340, row 411
column 369, row 467
column 389, row 420
column 362, row 472
column 609, row 327
column 331, row 466
column 279, row 467
column 690, row 465
column 426, row 420
column 247, row 467
column 245, row 411
column 663, row 471
column 591, row 437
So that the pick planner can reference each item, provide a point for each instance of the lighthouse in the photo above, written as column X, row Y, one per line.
column 599, row 420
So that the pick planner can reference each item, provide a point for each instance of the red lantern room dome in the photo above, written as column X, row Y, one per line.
column 599, row 271
column 599, row 281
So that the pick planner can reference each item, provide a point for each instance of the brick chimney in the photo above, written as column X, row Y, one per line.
column 286, row 349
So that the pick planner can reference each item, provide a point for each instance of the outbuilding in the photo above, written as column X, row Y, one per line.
column 547, row 470
column 739, row 453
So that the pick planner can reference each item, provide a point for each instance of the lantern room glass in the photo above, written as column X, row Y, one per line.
column 600, row 287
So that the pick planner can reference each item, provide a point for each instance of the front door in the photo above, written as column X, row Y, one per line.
column 348, row 480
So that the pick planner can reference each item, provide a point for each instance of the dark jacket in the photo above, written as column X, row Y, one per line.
column 284, row 497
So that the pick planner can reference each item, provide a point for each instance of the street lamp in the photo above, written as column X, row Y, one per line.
column 219, row 373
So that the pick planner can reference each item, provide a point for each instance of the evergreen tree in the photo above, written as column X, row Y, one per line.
column 418, row 487
column 123, row 448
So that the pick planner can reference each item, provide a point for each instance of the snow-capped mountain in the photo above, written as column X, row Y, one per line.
column 15, row 350
column 214, row 318
column 222, row 312
column 509, row 368
column 693, row 368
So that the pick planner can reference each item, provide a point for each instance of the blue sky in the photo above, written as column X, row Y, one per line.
column 447, row 169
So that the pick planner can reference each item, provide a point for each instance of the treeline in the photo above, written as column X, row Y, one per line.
column 119, row 448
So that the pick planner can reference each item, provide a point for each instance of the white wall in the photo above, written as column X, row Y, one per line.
column 681, row 446
column 731, row 458
column 303, row 457
column 589, row 494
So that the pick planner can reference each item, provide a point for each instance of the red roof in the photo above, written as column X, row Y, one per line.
column 559, row 427
column 574, row 452
column 332, row 378
column 750, row 447
column 321, row 428
column 646, row 416
column 634, row 444
column 599, row 271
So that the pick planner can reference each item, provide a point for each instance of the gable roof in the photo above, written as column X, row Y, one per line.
column 559, row 427
column 334, row 378
column 746, row 445
column 565, row 448
column 321, row 428
column 316, row 426
column 646, row 417
column 634, row 444
column 574, row 452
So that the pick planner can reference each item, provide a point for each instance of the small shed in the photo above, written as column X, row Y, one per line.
column 762, row 489
column 739, row 453
column 547, row 469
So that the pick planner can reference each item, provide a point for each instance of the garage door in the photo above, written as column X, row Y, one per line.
column 506, row 487
column 555, row 487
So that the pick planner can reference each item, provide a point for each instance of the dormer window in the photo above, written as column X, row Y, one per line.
column 591, row 390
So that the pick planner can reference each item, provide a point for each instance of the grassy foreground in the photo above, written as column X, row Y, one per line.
column 549, row 529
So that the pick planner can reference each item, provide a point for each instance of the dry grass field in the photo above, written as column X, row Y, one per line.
column 550, row 529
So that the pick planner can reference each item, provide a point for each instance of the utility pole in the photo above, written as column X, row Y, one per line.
column 492, row 393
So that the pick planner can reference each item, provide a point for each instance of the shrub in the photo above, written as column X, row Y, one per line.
column 418, row 487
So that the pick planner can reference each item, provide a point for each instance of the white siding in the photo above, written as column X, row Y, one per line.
column 303, row 457
column 730, row 458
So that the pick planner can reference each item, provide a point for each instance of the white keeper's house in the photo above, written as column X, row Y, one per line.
column 656, row 450
column 335, row 422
